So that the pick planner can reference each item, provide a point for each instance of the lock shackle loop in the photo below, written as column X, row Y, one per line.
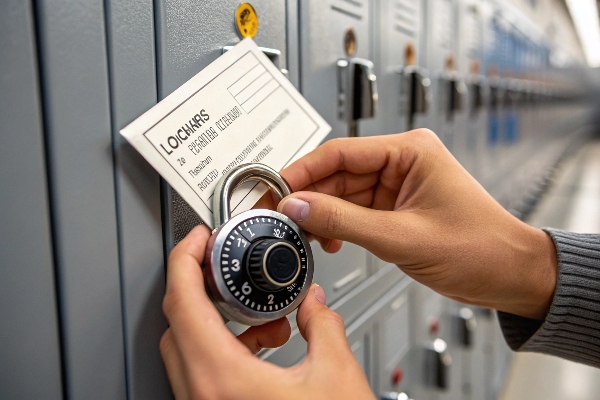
column 239, row 175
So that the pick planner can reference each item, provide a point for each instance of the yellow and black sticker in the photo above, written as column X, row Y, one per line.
column 246, row 20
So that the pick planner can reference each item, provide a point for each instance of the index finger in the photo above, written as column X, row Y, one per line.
column 356, row 155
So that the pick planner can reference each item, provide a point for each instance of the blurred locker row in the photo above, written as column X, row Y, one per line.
column 86, row 224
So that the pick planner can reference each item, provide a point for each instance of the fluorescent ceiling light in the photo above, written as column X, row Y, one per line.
column 585, row 17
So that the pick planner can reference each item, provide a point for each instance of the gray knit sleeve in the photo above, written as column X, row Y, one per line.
column 571, row 329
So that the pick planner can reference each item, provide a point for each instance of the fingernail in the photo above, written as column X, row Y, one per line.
column 296, row 209
column 320, row 294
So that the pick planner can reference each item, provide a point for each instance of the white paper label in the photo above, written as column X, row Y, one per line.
column 239, row 109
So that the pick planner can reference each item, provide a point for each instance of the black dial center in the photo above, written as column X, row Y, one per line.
column 281, row 263
column 273, row 264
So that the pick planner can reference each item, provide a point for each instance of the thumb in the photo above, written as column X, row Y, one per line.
column 331, row 217
column 322, row 328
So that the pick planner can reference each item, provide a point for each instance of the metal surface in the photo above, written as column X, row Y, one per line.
column 238, row 176
column 76, row 102
column 133, row 90
column 189, row 36
column 357, row 90
column 318, row 61
column 229, row 306
column 438, row 363
column 416, row 93
column 319, row 85
column 30, row 365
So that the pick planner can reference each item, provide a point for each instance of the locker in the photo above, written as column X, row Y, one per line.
column 447, row 86
column 77, row 125
column 431, row 329
column 396, row 371
column 381, row 339
column 133, row 89
column 360, row 339
column 31, row 362
column 189, row 37
column 462, row 338
column 403, row 84
column 329, row 70
column 481, row 373
column 351, row 307
column 471, row 120
column 397, row 55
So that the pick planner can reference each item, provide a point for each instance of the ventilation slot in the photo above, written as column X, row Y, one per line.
column 444, row 24
column 350, row 8
column 406, row 16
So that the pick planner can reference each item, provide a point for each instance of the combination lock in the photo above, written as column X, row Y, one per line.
column 259, row 265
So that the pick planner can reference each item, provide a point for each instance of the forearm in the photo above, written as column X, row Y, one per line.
column 531, row 275
column 572, row 324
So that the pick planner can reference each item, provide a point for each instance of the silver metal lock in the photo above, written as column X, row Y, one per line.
column 357, row 91
column 259, row 265
column 394, row 396
column 437, row 364
column 415, row 91
column 456, row 91
column 476, row 89
column 466, row 325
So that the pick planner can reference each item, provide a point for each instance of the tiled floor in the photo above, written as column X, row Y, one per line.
column 573, row 203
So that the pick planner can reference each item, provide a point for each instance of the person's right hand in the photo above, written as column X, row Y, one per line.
column 407, row 200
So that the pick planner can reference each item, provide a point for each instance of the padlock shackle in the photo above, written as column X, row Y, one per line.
column 239, row 175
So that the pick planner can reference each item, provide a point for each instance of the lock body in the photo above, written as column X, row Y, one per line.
column 415, row 92
column 357, row 91
column 259, row 264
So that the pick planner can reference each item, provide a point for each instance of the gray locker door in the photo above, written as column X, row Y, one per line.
column 426, row 307
column 29, row 337
column 440, row 39
column 132, row 63
column 190, row 35
column 396, row 24
column 394, row 341
column 80, row 158
column 323, row 26
column 469, row 122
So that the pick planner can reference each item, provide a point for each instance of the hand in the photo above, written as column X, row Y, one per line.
column 204, row 360
column 270, row 200
column 408, row 201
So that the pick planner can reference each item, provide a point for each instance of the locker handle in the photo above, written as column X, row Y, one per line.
column 394, row 396
column 365, row 85
column 457, row 91
column 420, row 89
column 476, row 88
column 467, row 324
column 438, row 362
column 357, row 89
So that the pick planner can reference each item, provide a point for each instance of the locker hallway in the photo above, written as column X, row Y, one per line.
column 572, row 204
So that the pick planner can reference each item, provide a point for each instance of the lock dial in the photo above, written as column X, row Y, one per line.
column 276, row 264
column 261, row 267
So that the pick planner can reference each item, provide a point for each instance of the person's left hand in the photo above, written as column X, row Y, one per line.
column 204, row 360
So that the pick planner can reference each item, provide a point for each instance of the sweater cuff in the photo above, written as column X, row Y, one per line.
column 571, row 328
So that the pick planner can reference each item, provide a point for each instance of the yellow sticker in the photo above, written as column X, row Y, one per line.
column 246, row 20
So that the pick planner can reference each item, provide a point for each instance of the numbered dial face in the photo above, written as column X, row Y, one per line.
column 264, row 264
